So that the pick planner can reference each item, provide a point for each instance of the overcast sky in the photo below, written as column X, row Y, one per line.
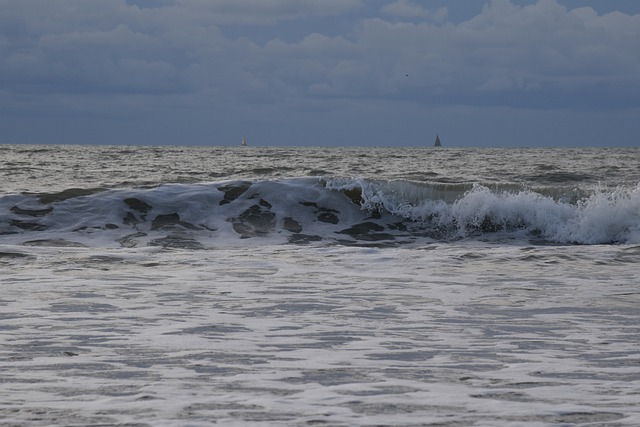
column 321, row 72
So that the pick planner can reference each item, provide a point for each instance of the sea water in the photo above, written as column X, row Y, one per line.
column 197, row 286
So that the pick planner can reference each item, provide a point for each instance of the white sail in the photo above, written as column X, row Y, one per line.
column 244, row 141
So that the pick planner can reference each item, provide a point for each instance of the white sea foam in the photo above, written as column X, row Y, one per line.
column 442, row 287
column 467, row 334
column 603, row 216
column 326, row 210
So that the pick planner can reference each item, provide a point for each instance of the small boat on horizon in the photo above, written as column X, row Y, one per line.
column 437, row 144
column 244, row 141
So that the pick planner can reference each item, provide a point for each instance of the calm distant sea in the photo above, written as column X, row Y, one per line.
column 197, row 286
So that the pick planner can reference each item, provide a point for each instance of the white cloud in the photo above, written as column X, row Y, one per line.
column 540, row 48
column 405, row 9
column 180, row 50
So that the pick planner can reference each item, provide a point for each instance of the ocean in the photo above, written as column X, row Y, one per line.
column 288, row 286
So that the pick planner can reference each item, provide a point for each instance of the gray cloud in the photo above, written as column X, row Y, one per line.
column 74, row 46
column 139, row 56
column 505, row 51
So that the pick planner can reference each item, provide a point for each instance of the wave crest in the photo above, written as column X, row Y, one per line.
column 554, row 214
column 326, row 210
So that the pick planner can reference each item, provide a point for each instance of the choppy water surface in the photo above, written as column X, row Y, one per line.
column 272, row 286
column 53, row 168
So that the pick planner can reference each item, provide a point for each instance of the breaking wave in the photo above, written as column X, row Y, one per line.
column 316, row 210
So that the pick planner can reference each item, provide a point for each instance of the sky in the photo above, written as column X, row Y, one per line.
column 478, row 73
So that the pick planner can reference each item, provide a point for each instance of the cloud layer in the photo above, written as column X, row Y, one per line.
column 135, row 56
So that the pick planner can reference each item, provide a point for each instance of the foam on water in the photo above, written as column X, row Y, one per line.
column 312, row 209
column 465, row 334
column 439, row 287
column 594, row 217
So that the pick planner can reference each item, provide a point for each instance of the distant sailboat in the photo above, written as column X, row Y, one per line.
column 244, row 141
column 437, row 144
